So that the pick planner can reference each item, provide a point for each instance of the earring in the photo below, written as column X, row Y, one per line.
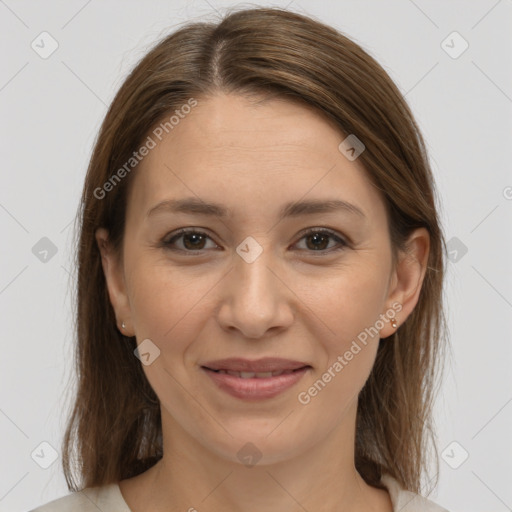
column 394, row 324
column 123, row 326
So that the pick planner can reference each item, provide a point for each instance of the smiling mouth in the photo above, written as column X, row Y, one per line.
column 255, row 375
column 247, row 385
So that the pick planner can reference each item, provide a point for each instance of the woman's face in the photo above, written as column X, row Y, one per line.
column 309, row 286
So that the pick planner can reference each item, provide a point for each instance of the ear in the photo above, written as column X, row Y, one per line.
column 407, row 278
column 116, row 285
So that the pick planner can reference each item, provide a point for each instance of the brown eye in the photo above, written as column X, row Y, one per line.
column 190, row 241
column 193, row 241
column 318, row 240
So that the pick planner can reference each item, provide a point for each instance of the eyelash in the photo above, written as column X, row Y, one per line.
column 167, row 243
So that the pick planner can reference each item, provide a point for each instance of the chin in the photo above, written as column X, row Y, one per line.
column 255, row 444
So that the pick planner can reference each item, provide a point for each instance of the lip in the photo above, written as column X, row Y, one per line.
column 265, row 364
column 255, row 388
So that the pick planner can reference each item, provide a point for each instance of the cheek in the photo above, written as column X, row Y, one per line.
column 350, row 309
column 348, row 303
column 167, row 304
column 167, row 309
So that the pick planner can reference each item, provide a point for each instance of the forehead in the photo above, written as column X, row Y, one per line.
column 236, row 123
column 234, row 150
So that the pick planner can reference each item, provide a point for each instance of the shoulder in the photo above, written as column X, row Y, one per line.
column 107, row 498
column 407, row 501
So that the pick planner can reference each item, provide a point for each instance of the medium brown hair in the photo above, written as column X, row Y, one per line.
column 114, row 428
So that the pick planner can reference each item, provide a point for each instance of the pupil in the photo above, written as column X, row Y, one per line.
column 318, row 237
column 188, row 237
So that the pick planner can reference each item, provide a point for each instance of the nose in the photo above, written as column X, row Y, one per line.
column 255, row 298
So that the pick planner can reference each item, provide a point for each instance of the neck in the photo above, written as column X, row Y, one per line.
column 192, row 478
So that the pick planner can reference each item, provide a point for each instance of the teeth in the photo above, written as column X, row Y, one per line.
column 252, row 375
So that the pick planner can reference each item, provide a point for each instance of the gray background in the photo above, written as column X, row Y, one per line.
column 51, row 110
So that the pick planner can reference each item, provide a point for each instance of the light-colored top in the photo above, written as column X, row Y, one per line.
column 108, row 498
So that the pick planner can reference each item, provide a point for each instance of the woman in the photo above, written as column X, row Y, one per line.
column 260, row 271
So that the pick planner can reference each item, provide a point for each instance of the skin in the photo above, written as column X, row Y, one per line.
column 293, row 302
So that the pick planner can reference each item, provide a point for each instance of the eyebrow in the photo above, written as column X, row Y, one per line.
column 193, row 205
